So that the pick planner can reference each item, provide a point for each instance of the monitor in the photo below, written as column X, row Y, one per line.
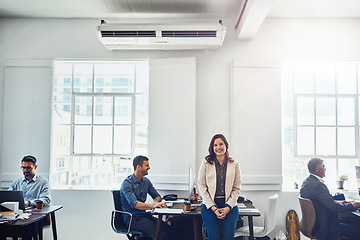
column 357, row 170
column 12, row 196
column 191, row 181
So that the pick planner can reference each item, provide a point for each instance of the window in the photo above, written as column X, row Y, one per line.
column 99, row 122
column 320, row 118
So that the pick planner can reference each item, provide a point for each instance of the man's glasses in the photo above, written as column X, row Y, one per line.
column 26, row 168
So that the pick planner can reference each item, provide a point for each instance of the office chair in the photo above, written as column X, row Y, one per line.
column 117, row 222
column 308, row 217
column 307, row 222
column 269, row 221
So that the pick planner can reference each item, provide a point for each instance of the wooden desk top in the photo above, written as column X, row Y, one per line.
column 23, row 222
column 197, row 211
column 46, row 209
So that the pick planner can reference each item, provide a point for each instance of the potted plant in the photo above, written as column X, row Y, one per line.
column 341, row 181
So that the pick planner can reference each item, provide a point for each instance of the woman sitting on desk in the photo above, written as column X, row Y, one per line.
column 219, row 187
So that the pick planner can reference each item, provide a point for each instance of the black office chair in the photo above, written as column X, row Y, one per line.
column 117, row 222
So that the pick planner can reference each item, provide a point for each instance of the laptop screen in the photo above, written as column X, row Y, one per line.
column 12, row 196
column 357, row 169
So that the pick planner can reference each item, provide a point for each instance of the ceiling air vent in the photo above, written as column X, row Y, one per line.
column 188, row 33
column 161, row 36
column 128, row 33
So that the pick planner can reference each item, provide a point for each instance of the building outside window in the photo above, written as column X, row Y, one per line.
column 320, row 118
column 99, row 122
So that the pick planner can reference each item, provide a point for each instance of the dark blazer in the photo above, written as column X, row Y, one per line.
column 327, row 226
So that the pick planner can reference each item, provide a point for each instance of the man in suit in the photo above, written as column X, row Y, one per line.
column 327, row 226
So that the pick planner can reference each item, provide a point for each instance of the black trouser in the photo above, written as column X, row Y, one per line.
column 147, row 224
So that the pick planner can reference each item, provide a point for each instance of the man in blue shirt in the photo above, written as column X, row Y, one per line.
column 133, row 193
column 33, row 186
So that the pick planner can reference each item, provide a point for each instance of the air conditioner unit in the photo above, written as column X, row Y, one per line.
column 161, row 36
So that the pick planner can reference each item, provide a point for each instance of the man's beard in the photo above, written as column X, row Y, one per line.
column 27, row 174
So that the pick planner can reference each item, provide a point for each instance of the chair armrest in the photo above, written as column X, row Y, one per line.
column 113, row 218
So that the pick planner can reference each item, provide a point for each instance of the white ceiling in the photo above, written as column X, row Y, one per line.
column 141, row 11
column 172, row 9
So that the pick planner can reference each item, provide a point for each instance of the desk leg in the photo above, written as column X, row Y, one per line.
column 158, row 227
column 196, row 237
column 36, row 227
column 53, row 225
column 41, row 232
column 251, row 227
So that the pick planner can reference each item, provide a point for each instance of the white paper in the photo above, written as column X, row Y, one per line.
column 249, row 210
column 13, row 206
column 241, row 205
column 168, row 211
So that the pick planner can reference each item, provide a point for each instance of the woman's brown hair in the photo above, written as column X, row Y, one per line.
column 211, row 157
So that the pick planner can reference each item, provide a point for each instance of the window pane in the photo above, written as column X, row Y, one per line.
column 287, row 78
column 61, row 140
column 116, row 78
column 346, row 141
column 347, row 167
column 103, row 110
column 62, row 78
column 122, row 140
column 346, row 114
column 82, row 139
column 305, row 111
column 83, row 78
column 142, row 78
column 102, row 139
column 142, row 109
column 62, row 109
column 114, row 84
column 61, row 177
column 305, row 141
column 288, row 110
column 288, row 134
column 325, row 79
column 80, row 171
column 297, row 171
column 83, row 110
column 346, row 79
column 330, row 174
column 304, row 78
column 141, row 136
column 325, row 111
column 122, row 167
column 102, row 169
column 123, row 110
column 358, row 74
column 325, row 141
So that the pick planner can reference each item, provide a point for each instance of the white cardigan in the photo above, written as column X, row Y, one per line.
column 207, row 183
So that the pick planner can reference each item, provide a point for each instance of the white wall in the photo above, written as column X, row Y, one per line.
column 277, row 40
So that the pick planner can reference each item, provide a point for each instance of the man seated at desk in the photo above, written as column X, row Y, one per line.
column 327, row 226
column 33, row 186
column 133, row 193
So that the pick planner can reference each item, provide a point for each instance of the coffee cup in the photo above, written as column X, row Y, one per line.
column 39, row 204
column 187, row 206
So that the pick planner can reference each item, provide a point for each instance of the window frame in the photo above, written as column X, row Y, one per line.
column 289, row 92
column 93, row 156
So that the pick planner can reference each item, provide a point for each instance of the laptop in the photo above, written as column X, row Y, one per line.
column 12, row 196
